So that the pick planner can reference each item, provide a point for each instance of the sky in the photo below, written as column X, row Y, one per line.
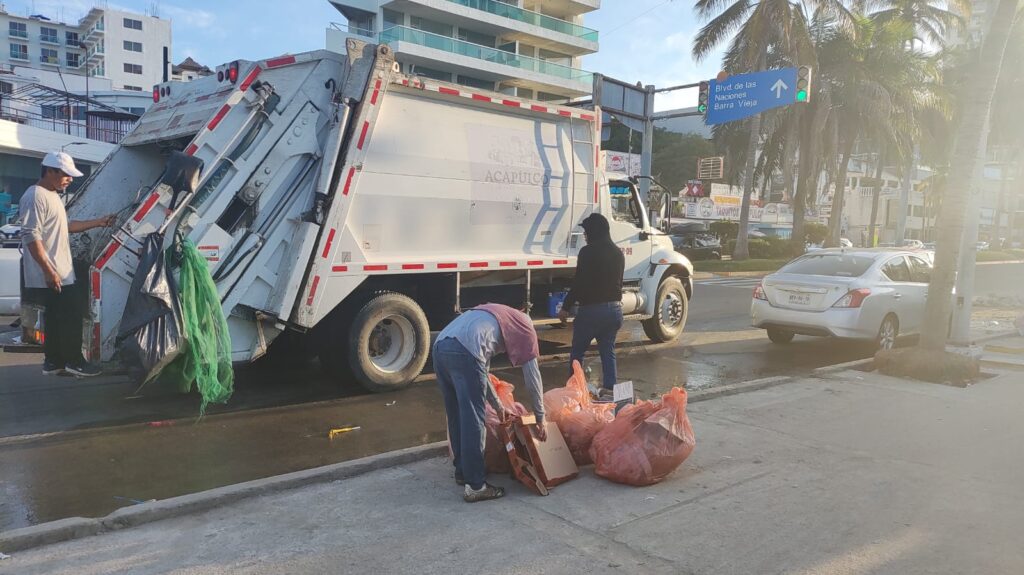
column 640, row 40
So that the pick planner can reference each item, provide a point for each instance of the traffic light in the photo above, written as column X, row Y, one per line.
column 702, row 98
column 803, row 84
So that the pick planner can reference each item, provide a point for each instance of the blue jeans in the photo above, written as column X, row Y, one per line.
column 463, row 381
column 600, row 321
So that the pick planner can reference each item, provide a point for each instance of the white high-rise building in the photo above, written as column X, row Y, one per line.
column 125, row 47
column 526, row 48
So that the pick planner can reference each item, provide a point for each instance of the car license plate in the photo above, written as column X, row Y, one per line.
column 799, row 299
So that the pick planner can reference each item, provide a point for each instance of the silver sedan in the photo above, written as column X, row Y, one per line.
column 865, row 294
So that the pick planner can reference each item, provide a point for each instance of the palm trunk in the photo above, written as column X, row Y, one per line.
column 980, row 79
column 839, row 197
column 803, row 181
column 876, row 194
column 742, row 251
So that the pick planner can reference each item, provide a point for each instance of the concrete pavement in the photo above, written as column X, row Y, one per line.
column 841, row 473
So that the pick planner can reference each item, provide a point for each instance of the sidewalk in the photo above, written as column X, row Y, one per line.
column 844, row 473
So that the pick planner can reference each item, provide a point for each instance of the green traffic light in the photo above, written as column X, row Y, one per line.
column 702, row 108
column 801, row 96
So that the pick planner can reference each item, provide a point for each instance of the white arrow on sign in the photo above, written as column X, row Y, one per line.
column 779, row 86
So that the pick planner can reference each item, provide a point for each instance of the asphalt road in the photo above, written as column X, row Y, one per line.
column 71, row 447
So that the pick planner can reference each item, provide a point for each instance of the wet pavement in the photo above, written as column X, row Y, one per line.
column 71, row 447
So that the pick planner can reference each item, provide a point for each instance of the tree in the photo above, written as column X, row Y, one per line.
column 675, row 155
column 761, row 30
column 980, row 79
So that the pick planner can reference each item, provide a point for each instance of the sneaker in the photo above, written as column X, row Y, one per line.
column 486, row 492
column 82, row 369
column 52, row 368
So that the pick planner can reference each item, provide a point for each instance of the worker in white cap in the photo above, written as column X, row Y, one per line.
column 48, row 268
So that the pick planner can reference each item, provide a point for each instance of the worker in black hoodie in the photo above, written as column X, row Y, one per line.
column 597, row 288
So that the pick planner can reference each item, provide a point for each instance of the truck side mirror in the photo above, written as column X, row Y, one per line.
column 644, row 236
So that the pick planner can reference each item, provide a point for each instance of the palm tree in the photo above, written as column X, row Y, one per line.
column 981, row 79
column 760, row 30
column 932, row 21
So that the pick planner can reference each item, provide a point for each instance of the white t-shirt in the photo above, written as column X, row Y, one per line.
column 43, row 218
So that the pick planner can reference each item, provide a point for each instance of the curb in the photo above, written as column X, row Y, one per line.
column 78, row 527
column 857, row 363
column 736, row 388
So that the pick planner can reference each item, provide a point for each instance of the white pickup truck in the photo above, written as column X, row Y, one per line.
column 337, row 198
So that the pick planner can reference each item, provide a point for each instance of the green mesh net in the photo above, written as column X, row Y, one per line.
column 206, row 359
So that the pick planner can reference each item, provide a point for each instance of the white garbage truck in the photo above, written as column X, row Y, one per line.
column 359, row 208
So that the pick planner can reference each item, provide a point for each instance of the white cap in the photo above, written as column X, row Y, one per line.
column 63, row 162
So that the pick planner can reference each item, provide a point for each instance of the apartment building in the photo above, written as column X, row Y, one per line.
column 125, row 47
column 526, row 48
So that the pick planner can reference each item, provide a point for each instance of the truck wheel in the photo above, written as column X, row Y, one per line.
column 389, row 342
column 670, row 312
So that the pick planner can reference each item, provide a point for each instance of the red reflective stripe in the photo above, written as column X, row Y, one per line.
column 95, row 277
column 587, row 117
column 250, row 78
column 107, row 254
column 376, row 92
column 220, row 116
column 534, row 263
column 348, row 181
column 312, row 290
column 537, row 108
column 448, row 91
column 560, row 262
column 478, row 264
column 201, row 248
column 150, row 201
column 595, row 192
column 447, row 266
column 327, row 246
column 339, row 268
column 481, row 97
column 282, row 61
column 375, row 268
column 412, row 266
column 564, row 113
column 507, row 264
column 362, row 136
column 512, row 103
column 191, row 149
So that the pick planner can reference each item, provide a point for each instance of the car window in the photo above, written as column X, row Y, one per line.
column 896, row 269
column 831, row 264
column 920, row 270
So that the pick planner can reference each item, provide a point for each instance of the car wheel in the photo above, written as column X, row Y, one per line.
column 389, row 342
column 670, row 312
column 888, row 332
column 780, row 336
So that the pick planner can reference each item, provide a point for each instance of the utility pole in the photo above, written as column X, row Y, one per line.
column 647, row 150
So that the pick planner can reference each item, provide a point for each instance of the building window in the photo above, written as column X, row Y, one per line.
column 49, row 35
column 132, row 24
column 71, row 39
column 6, row 87
column 475, row 82
column 133, row 88
column 18, row 30
column 431, row 26
column 432, row 73
column 19, row 52
column 477, row 38
column 72, row 60
column 392, row 18
column 132, row 46
column 49, row 56
column 52, row 112
column 132, row 68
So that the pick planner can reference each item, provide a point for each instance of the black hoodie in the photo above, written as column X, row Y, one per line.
column 599, row 267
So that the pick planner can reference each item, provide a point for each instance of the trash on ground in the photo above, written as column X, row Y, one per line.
column 578, row 417
column 337, row 431
column 164, row 423
column 390, row 403
column 551, row 458
column 495, row 455
column 4, row 556
column 646, row 441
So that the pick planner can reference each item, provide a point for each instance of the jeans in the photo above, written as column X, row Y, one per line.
column 601, row 321
column 62, row 324
column 463, row 381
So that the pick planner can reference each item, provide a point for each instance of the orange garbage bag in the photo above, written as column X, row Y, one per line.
column 495, row 457
column 577, row 416
column 646, row 441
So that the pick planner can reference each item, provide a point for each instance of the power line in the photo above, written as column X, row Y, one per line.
column 635, row 18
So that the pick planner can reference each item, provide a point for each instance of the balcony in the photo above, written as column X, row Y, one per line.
column 47, row 39
column 526, row 16
column 74, row 43
column 49, row 60
column 20, row 56
column 500, row 64
column 18, row 34
column 94, row 52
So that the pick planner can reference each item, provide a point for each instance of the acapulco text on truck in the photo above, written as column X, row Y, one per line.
column 335, row 197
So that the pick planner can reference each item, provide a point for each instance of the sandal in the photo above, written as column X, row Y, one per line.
column 487, row 492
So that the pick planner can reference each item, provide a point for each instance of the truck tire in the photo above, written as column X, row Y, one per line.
column 389, row 341
column 671, row 309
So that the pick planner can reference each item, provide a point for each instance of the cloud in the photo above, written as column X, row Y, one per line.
column 191, row 17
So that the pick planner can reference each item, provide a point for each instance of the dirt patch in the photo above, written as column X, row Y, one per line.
column 932, row 366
